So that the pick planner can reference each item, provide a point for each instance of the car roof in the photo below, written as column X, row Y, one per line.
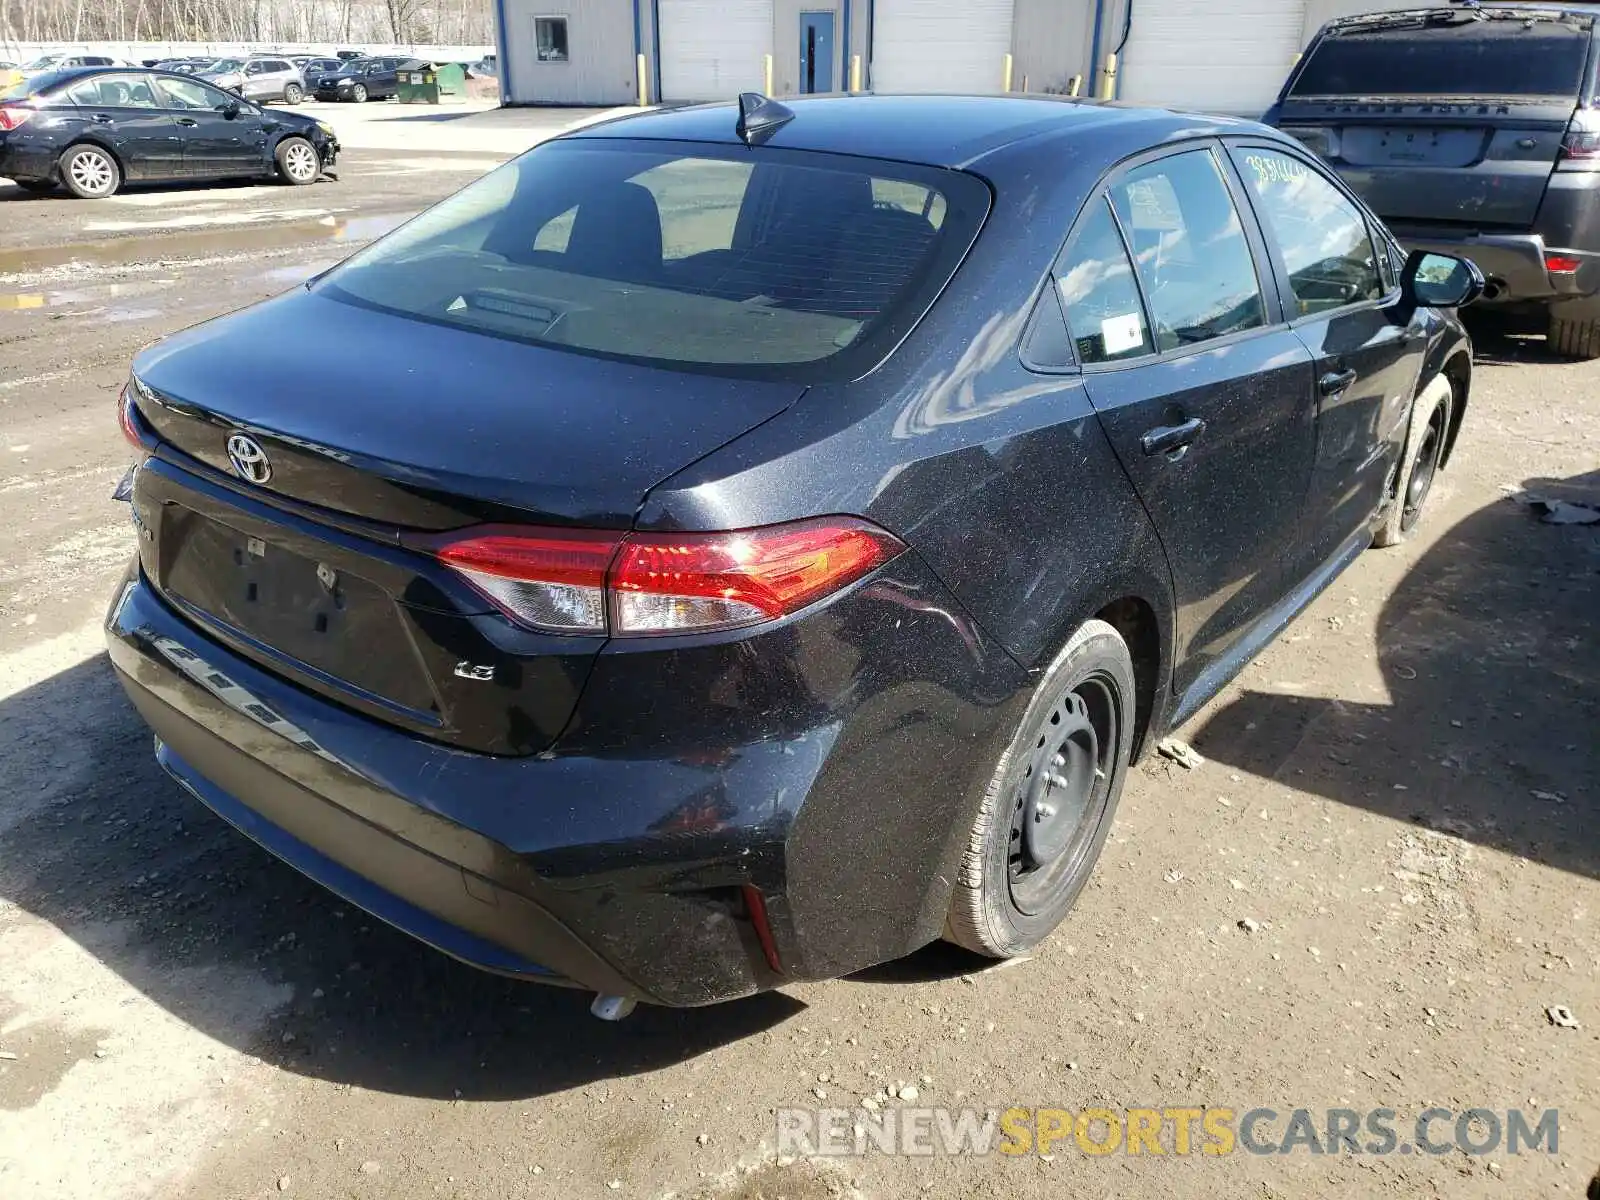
column 1512, row 11
column 942, row 131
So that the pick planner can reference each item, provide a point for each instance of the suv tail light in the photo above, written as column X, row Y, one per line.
column 641, row 584
column 1580, row 149
column 12, row 116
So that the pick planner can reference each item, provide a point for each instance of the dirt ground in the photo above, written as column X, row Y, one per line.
column 1401, row 797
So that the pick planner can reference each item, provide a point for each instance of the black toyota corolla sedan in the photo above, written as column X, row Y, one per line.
column 742, row 544
column 92, row 129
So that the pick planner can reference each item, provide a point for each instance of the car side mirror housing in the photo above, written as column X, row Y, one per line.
column 1440, row 280
column 230, row 110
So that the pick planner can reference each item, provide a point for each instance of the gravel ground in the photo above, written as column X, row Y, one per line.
column 1369, row 896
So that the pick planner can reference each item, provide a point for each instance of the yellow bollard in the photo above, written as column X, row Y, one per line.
column 644, row 87
column 855, row 72
column 1074, row 86
column 768, row 75
column 1005, row 74
column 1108, row 78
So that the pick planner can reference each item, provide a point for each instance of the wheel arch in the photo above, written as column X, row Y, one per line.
column 86, row 139
column 1457, row 369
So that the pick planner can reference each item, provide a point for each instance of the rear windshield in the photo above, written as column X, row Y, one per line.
column 23, row 88
column 704, row 257
column 1453, row 54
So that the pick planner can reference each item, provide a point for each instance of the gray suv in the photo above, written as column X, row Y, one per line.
column 1470, row 130
column 259, row 79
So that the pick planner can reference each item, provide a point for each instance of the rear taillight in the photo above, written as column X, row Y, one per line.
column 1562, row 264
column 1580, row 151
column 641, row 584
column 128, row 418
column 13, row 115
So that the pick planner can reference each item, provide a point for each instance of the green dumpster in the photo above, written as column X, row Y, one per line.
column 432, row 83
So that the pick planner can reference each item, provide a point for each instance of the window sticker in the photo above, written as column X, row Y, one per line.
column 1123, row 333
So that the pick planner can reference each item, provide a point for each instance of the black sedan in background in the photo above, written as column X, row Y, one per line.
column 847, row 494
column 363, row 79
column 90, row 130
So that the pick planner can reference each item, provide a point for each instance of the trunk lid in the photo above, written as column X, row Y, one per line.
column 375, row 427
column 1449, row 117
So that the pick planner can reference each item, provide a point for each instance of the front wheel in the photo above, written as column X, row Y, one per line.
column 359, row 93
column 298, row 161
column 1419, row 462
column 1049, row 805
column 293, row 93
column 90, row 173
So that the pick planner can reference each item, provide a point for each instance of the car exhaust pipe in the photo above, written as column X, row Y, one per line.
column 612, row 1008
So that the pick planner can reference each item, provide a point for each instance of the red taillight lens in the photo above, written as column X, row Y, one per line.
column 1580, row 146
column 128, row 417
column 643, row 584
column 1562, row 264
column 549, row 578
column 720, row 580
column 13, row 116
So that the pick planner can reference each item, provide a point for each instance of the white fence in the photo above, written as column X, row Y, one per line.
column 21, row 52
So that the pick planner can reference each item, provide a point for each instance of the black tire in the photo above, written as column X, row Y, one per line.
column 40, row 187
column 359, row 93
column 1050, row 802
column 298, row 161
column 89, row 172
column 1419, row 462
column 293, row 93
column 1572, row 338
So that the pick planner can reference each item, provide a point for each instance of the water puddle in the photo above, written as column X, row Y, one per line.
column 190, row 243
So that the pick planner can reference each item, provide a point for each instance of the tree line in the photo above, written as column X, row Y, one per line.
column 405, row 22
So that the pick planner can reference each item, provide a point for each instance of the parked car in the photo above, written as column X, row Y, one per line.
column 91, row 130
column 260, row 79
column 313, row 69
column 186, row 66
column 363, row 79
column 830, row 617
column 1471, row 130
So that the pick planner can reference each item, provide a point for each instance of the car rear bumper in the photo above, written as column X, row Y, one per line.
column 621, row 868
column 1513, row 265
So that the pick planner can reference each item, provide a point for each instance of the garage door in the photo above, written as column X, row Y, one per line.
column 714, row 49
column 940, row 45
column 1227, row 58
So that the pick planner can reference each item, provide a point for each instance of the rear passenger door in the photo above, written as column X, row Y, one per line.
column 1342, row 299
column 1203, row 390
column 121, row 112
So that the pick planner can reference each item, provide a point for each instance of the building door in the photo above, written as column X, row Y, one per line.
column 713, row 49
column 816, row 52
column 940, row 45
column 1224, row 58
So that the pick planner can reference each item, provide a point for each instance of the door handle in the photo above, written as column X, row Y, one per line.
column 1335, row 382
column 188, row 122
column 103, row 119
column 1172, row 440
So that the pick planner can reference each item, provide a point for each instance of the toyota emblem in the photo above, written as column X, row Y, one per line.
column 249, row 460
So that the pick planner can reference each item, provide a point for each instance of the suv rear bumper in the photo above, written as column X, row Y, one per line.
column 623, row 871
column 1512, row 264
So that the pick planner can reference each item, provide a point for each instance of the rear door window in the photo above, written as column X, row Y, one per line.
column 113, row 91
column 1322, row 237
column 749, row 261
column 1097, row 289
column 1465, row 53
column 1189, row 248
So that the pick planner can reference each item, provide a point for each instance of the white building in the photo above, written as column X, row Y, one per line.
column 1216, row 55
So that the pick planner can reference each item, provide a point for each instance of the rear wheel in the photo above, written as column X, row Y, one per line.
column 1574, row 336
column 293, row 93
column 359, row 93
column 1049, row 805
column 298, row 162
column 1419, row 462
column 89, row 172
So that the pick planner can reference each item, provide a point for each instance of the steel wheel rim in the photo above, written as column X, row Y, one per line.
column 92, row 171
column 300, row 162
column 1423, row 469
column 1062, row 794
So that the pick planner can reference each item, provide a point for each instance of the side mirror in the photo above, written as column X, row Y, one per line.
column 1440, row 280
column 230, row 110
